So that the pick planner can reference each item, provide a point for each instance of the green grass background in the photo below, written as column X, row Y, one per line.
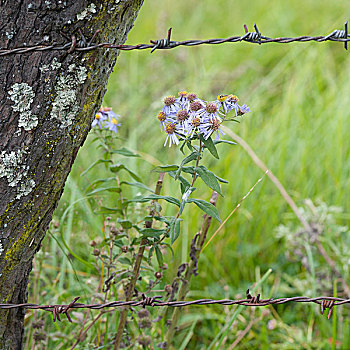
column 299, row 96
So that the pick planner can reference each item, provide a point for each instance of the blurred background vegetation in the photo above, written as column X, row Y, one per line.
column 298, row 125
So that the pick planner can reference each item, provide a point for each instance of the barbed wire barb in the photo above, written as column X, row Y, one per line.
column 166, row 44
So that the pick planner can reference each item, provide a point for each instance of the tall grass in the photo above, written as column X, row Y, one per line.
column 299, row 99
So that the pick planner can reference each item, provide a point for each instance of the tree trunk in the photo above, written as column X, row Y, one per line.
column 47, row 103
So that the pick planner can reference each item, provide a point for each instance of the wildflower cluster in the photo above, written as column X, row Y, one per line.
column 107, row 119
column 188, row 116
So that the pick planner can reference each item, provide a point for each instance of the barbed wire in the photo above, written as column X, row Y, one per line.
column 250, row 301
column 165, row 44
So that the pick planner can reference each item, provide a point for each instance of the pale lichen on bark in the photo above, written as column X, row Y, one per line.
column 91, row 9
column 23, row 96
column 16, row 173
column 65, row 106
column 54, row 65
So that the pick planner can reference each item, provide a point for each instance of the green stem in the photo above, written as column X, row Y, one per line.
column 197, row 162
column 136, row 272
column 193, row 181
column 191, row 269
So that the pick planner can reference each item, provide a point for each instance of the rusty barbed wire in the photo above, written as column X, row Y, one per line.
column 165, row 44
column 250, row 301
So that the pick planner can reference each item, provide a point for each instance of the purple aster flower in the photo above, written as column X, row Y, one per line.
column 112, row 123
column 228, row 103
column 171, row 105
column 196, row 105
column 183, row 100
column 107, row 111
column 171, row 129
column 243, row 110
column 164, row 119
column 194, row 123
column 210, row 111
column 209, row 126
column 192, row 97
column 182, row 119
column 99, row 118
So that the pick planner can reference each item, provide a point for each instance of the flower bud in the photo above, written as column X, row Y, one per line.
column 158, row 275
column 114, row 231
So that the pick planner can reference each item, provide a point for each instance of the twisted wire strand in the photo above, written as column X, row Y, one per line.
column 324, row 301
column 166, row 44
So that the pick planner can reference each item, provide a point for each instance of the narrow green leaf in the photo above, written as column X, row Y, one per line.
column 152, row 232
column 210, row 145
column 182, row 188
column 188, row 336
column 185, row 197
column 105, row 210
column 159, row 256
column 98, row 182
column 125, row 152
column 110, row 189
column 94, row 164
column 166, row 219
column 124, row 260
column 126, row 224
column 143, row 199
column 182, row 147
column 207, row 207
column 150, row 253
column 189, row 169
column 183, row 182
column 119, row 243
column 224, row 141
column 174, row 229
column 115, row 168
column 136, row 184
column 209, row 178
column 165, row 168
column 221, row 180
column 189, row 158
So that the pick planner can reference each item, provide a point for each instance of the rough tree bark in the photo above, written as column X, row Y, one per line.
column 47, row 102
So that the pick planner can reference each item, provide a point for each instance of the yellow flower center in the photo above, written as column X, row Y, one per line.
column 97, row 116
column 222, row 98
column 196, row 122
column 161, row 116
column 114, row 121
column 170, row 128
column 234, row 98
column 182, row 93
